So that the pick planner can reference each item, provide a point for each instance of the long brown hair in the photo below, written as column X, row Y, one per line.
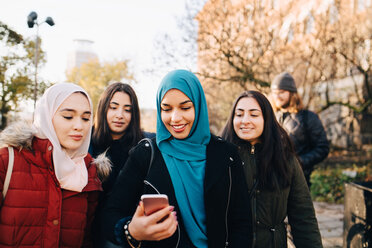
column 277, row 149
column 102, row 134
column 295, row 103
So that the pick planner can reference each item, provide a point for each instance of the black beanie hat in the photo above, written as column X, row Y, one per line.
column 284, row 81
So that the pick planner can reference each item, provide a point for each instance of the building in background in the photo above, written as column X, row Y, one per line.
column 82, row 52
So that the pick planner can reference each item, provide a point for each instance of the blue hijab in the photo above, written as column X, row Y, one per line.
column 186, row 159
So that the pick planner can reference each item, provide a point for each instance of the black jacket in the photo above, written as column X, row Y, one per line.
column 225, row 196
column 118, row 153
column 308, row 136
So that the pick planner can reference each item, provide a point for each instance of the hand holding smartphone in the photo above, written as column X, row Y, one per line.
column 154, row 202
column 154, row 210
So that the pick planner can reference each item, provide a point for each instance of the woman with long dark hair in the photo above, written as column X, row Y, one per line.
column 117, row 115
column 276, row 183
column 200, row 173
column 116, row 130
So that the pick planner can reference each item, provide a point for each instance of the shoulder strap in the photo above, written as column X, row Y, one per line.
column 149, row 142
column 9, row 171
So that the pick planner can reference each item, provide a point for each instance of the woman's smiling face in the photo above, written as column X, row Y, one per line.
column 177, row 113
column 248, row 120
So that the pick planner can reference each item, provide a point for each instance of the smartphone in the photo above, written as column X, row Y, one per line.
column 154, row 202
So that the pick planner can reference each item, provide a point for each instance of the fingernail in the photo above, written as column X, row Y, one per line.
column 171, row 208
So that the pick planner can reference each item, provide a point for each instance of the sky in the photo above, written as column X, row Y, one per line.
column 120, row 29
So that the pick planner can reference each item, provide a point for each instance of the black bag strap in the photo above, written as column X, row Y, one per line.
column 149, row 142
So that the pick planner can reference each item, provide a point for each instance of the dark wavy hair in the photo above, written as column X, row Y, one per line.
column 101, row 133
column 277, row 148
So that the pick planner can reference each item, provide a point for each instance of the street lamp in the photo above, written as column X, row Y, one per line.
column 31, row 21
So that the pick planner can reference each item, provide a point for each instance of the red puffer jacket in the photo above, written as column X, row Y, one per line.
column 36, row 212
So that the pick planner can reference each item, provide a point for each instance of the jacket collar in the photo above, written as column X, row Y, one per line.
column 247, row 147
column 22, row 136
column 41, row 151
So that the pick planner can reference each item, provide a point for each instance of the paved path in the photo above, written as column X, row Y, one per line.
column 331, row 220
column 331, row 223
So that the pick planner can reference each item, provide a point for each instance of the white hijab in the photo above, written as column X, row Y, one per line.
column 71, row 171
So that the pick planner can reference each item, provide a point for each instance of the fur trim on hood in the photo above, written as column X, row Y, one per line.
column 104, row 166
column 20, row 135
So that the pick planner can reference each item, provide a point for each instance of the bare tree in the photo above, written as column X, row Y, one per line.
column 238, row 42
column 174, row 50
column 246, row 42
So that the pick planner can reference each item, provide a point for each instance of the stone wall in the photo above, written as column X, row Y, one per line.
column 345, row 129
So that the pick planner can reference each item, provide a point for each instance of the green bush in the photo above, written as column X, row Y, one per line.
column 328, row 183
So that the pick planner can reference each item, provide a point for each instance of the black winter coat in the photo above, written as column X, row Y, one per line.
column 117, row 152
column 308, row 136
column 225, row 196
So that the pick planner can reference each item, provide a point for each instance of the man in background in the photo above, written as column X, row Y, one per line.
column 303, row 126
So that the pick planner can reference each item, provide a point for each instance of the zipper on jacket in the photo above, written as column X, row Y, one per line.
column 252, row 149
column 227, row 209
column 253, row 200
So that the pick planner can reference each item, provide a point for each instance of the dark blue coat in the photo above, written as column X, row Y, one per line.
column 308, row 136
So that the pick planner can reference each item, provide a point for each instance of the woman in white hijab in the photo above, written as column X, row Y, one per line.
column 54, row 185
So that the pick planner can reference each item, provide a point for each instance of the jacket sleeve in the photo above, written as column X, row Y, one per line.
column 125, row 197
column 319, row 147
column 301, row 213
column 240, row 220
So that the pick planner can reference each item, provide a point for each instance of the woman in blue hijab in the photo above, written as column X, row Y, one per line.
column 200, row 173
